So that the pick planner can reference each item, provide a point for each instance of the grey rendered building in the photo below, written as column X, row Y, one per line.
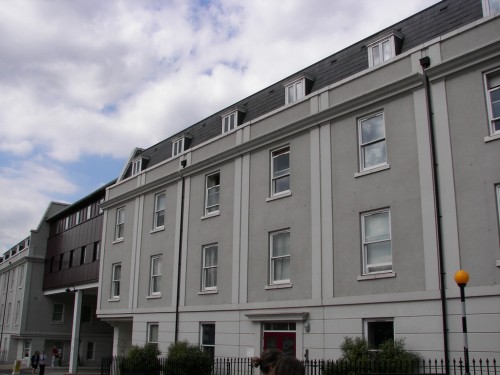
column 312, row 210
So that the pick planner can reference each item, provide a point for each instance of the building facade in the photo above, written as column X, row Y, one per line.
column 337, row 202
column 48, row 286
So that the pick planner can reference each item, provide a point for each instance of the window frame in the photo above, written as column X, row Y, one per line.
column 488, row 91
column 366, row 329
column 159, row 211
column 155, row 278
column 282, row 173
column 207, row 346
column 229, row 121
column 82, row 315
column 365, row 243
column 378, row 45
column 207, row 268
column 299, row 92
column 209, row 209
column 272, row 259
column 362, row 146
column 115, row 281
column 92, row 351
column 120, row 225
column 150, row 327
column 178, row 146
column 54, row 312
column 136, row 167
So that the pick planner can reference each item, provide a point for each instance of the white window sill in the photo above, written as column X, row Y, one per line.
column 375, row 276
column 490, row 138
column 154, row 296
column 159, row 229
column 203, row 292
column 279, row 196
column 279, row 286
column 372, row 170
column 114, row 299
column 211, row 214
column 117, row 241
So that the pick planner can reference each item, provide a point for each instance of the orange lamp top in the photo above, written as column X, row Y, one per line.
column 461, row 277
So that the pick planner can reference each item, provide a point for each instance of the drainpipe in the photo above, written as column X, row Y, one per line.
column 425, row 62
column 179, row 262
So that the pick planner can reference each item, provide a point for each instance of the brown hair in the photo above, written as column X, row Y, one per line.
column 289, row 366
column 267, row 359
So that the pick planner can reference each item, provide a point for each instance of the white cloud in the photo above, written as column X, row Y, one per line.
column 92, row 77
column 26, row 192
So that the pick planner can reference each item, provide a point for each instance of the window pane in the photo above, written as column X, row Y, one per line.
column 386, row 48
column 153, row 333
column 213, row 196
column 379, row 252
column 299, row 90
column 374, row 154
column 118, row 271
column 210, row 277
column 208, row 334
column 281, row 268
column 376, row 54
column 379, row 332
column 281, row 165
column 495, row 103
column 160, row 202
column 494, row 6
column 282, row 184
column 210, row 256
column 377, row 227
column 372, row 129
column 291, row 94
column 281, row 244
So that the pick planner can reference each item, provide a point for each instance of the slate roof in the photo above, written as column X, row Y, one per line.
column 443, row 17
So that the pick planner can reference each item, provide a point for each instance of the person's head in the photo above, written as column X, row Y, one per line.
column 289, row 366
column 37, row 352
column 267, row 360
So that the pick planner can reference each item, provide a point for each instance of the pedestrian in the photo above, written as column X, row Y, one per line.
column 34, row 361
column 289, row 366
column 267, row 360
column 54, row 355
column 42, row 361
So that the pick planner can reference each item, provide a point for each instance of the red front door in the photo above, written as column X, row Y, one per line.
column 285, row 341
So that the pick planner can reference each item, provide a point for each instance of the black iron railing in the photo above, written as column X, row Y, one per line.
column 243, row 366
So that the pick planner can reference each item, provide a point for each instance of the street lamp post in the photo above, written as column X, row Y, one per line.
column 462, row 278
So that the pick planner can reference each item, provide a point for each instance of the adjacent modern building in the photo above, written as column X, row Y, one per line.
column 337, row 202
column 48, row 288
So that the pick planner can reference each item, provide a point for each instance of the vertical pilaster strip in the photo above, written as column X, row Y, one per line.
column 236, row 232
column 185, row 231
column 327, row 262
column 316, row 213
column 245, row 212
column 103, row 254
column 451, row 245
column 429, row 226
column 139, row 213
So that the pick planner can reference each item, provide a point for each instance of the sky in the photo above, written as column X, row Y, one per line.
column 84, row 82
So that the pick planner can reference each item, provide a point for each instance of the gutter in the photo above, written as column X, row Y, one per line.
column 425, row 63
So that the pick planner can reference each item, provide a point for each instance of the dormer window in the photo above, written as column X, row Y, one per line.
column 297, row 89
column 230, row 120
column 180, row 145
column 136, row 166
column 491, row 7
column 384, row 49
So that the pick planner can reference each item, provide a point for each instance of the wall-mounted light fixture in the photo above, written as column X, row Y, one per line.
column 307, row 326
